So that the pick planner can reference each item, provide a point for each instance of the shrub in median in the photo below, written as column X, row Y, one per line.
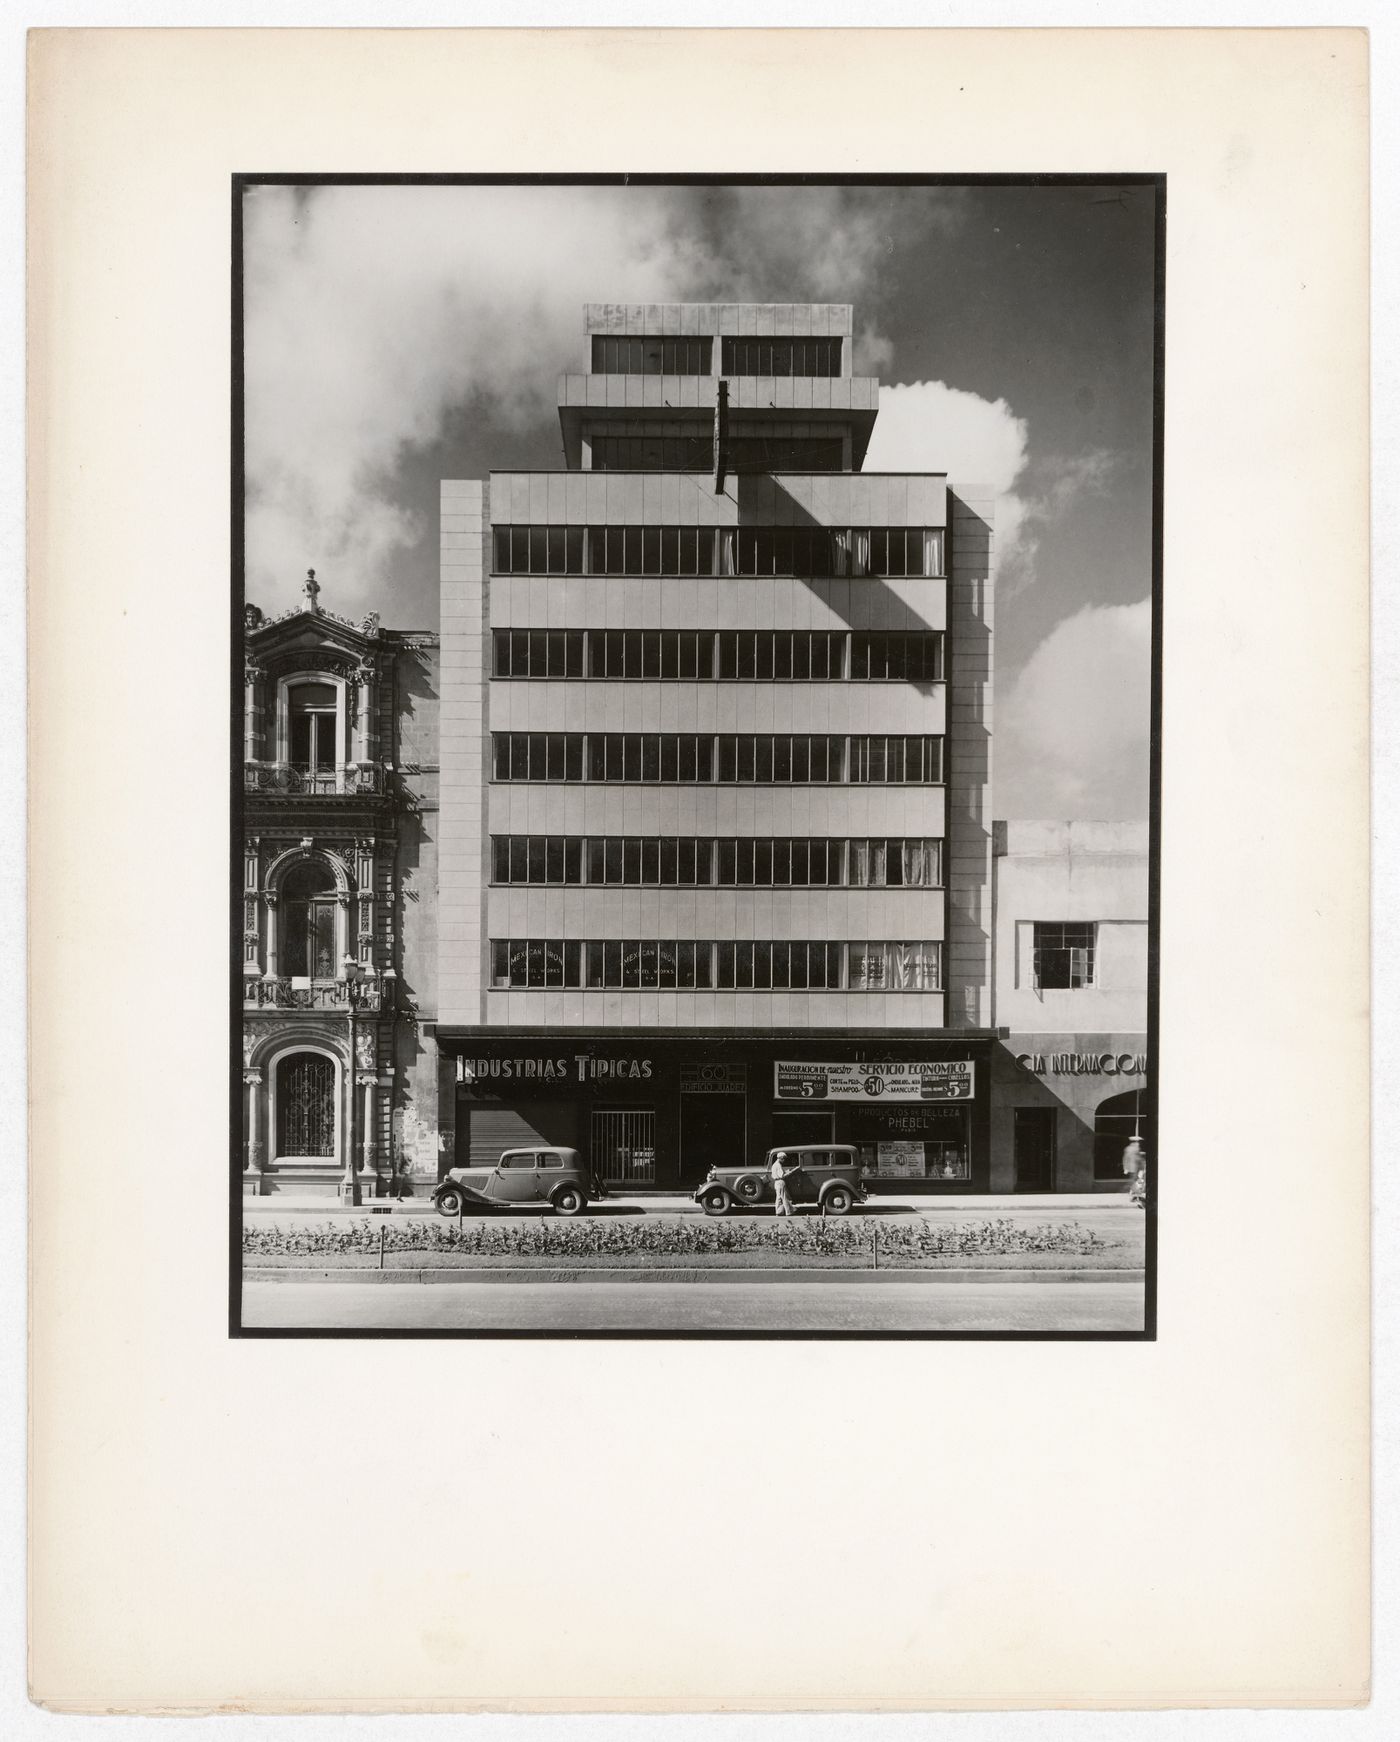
column 685, row 1236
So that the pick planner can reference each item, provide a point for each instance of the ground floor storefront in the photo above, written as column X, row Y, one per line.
column 656, row 1111
column 1064, row 1108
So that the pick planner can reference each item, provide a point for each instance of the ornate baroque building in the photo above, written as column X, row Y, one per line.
column 339, row 909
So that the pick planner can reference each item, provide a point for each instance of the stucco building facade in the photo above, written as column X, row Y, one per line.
column 1070, row 1071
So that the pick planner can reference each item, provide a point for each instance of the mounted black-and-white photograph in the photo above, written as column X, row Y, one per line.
column 697, row 717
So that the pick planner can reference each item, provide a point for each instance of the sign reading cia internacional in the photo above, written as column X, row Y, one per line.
column 946, row 1080
column 1084, row 1064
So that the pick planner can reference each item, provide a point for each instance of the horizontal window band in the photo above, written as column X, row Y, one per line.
column 805, row 552
column 687, row 758
column 720, row 655
column 760, row 965
column 794, row 862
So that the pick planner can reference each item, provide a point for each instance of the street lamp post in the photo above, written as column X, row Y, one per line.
column 349, row 1192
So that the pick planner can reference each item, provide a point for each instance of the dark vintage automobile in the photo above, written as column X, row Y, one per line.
column 825, row 1176
column 522, row 1176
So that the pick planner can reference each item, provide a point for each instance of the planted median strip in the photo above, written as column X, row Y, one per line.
column 805, row 1243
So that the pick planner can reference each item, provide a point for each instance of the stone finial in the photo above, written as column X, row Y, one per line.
column 252, row 617
column 311, row 590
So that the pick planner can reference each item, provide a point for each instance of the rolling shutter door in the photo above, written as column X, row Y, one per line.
column 493, row 1129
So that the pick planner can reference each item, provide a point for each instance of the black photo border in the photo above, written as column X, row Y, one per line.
column 243, row 181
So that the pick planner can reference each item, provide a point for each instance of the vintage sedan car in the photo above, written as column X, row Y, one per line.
column 557, row 1177
column 824, row 1175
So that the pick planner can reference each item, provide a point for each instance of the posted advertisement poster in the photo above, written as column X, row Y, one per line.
column 944, row 1080
column 903, row 1159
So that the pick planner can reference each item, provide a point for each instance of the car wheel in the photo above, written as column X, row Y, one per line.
column 569, row 1200
column 749, row 1188
column 449, row 1203
column 715, row 1203
column 837, row 1201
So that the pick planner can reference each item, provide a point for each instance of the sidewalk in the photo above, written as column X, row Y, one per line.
column 681, row 1203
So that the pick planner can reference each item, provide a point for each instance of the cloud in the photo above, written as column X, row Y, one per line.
column 1073, row 731
column 374, row 314
column 1053, row 485
column 927, row 426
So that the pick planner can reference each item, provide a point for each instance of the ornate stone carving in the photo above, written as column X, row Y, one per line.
column 252, row 617
column 311, row 591
column 364, row 1051
column 287, row 662
column 369, row 623
column 276, row 992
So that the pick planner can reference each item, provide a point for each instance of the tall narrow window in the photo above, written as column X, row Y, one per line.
column 311, row 711
column 308, row 922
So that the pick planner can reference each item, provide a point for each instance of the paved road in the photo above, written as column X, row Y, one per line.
column 1115, row 1210
column 768, row 1306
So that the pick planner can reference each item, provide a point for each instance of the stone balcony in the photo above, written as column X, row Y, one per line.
column 285, row 780
column 276, row 992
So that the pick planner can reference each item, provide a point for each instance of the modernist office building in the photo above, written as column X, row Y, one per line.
column 715, row 740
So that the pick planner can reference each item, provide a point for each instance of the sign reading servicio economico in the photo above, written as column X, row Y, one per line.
column 945, row 1080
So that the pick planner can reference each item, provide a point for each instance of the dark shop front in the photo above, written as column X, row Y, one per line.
column 656, row 1111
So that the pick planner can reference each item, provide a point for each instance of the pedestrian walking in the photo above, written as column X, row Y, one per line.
column 1135, row 1166
column 779, row 1173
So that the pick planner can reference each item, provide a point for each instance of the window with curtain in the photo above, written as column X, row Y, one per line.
column 894, row 967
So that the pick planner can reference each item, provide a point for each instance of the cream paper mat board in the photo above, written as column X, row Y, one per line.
column 259, row 1524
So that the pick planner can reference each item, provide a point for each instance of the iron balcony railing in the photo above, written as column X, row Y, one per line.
column 278, row 993
column 285, row 779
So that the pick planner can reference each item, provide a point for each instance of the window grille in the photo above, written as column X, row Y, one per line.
column 306, row 1106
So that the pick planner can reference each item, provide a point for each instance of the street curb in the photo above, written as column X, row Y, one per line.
column 850, row 1274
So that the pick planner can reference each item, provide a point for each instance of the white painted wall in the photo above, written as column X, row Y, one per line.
column 1095, row 872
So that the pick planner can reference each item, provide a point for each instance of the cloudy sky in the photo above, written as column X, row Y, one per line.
column 398, row 335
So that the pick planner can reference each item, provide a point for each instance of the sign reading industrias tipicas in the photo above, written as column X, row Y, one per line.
column 946, row 1080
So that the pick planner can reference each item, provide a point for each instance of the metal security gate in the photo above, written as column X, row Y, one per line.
column 624, row 1145
column 306, row 1106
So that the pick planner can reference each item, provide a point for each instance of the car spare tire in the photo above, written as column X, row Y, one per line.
column 449, row 1202
column 749, row 1187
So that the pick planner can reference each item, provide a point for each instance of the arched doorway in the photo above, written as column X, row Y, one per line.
column 1116, row 1121
column 305, row 1101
